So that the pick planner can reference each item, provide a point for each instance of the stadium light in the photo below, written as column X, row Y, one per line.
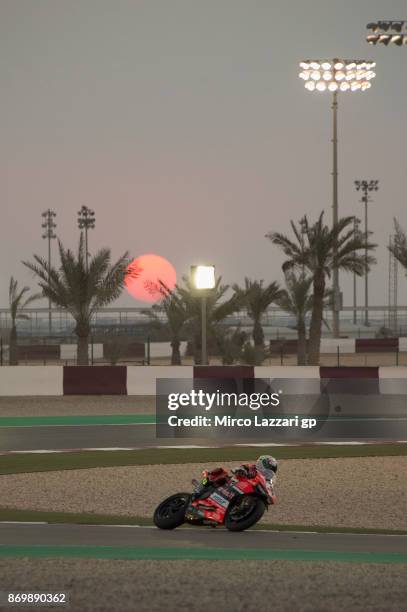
column 86, row 221
column 334, row 76
column 203, row 277
column 388, row 31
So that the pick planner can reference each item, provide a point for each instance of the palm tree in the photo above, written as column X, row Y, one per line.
column 216, row 311
column 399, row 246
column 176, row 313
column 79, row 288
column 297, row 300
column 231, row 344
column 314, row 249
column 257, row 298
column 17, row 302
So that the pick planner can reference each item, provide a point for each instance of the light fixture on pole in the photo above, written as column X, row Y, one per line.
column 334, row 76
column 86, row 221
column 366, row 187
column 203, row 280
column 48, row 226
column 387, row 32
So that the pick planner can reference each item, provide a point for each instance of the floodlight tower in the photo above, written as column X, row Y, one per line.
column 334, row 76
column 48, row 226
column 366, row 187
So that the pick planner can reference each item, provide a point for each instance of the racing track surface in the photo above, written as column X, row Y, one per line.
column 128, row 539
column 143, row 435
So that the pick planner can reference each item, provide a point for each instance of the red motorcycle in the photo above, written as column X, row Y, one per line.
column 237, row 502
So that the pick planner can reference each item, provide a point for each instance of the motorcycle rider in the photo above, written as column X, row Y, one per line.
column 265, row 464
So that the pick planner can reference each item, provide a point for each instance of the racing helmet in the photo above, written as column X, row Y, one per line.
column 267, row 464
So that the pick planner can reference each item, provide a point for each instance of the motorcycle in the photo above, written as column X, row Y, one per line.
column 238, row 503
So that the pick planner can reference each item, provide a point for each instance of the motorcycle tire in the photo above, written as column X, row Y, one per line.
column 239, row 522
column 171, row 512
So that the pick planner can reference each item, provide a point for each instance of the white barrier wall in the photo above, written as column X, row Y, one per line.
column 393, row 380
column 403, row 344
column 286, row 372
column 70, row 351
column 141, row 380
column 330, row 345
column 31, row 380
column 163, row 349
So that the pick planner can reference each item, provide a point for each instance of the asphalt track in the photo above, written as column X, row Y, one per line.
column 133, row 542
column 142, row 435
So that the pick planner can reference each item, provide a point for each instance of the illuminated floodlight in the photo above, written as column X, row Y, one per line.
column 310, row 85
column 203, row 277
column 337, row 74
column 384, row 39
column 397, row 39
column 386, row 32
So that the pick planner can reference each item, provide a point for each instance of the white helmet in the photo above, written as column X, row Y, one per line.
column 266, row 464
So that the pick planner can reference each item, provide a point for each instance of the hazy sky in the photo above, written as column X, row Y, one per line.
column 184, row 125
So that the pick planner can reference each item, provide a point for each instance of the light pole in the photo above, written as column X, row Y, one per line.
column 356, row 222
column 366, row 187
column 203, row 280
column 48, row 226
column 86, row 221
column 337, row 75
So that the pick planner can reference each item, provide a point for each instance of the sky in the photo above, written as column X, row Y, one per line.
column 184, row 126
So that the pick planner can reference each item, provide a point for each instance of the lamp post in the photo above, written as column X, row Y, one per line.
column 86, row 221
column 333, row 76
column 366, row 187
column 387, row 31
column 48, row 226
column 203, row 280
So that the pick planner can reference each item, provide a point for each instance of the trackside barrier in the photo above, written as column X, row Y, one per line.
column 100, row 380
column 31, row 380
column 142, row 381
column 136, row 380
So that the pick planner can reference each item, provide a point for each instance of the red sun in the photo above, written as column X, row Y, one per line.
column 144, row 275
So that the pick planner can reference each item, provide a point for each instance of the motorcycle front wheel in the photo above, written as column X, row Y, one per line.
column 171, row 512
column 244, row 512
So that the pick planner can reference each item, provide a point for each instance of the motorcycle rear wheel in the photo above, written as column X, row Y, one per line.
column 171, row 512
column 244, row 512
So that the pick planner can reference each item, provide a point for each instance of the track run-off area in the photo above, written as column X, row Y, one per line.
column 59, row 433
column 144, row 542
